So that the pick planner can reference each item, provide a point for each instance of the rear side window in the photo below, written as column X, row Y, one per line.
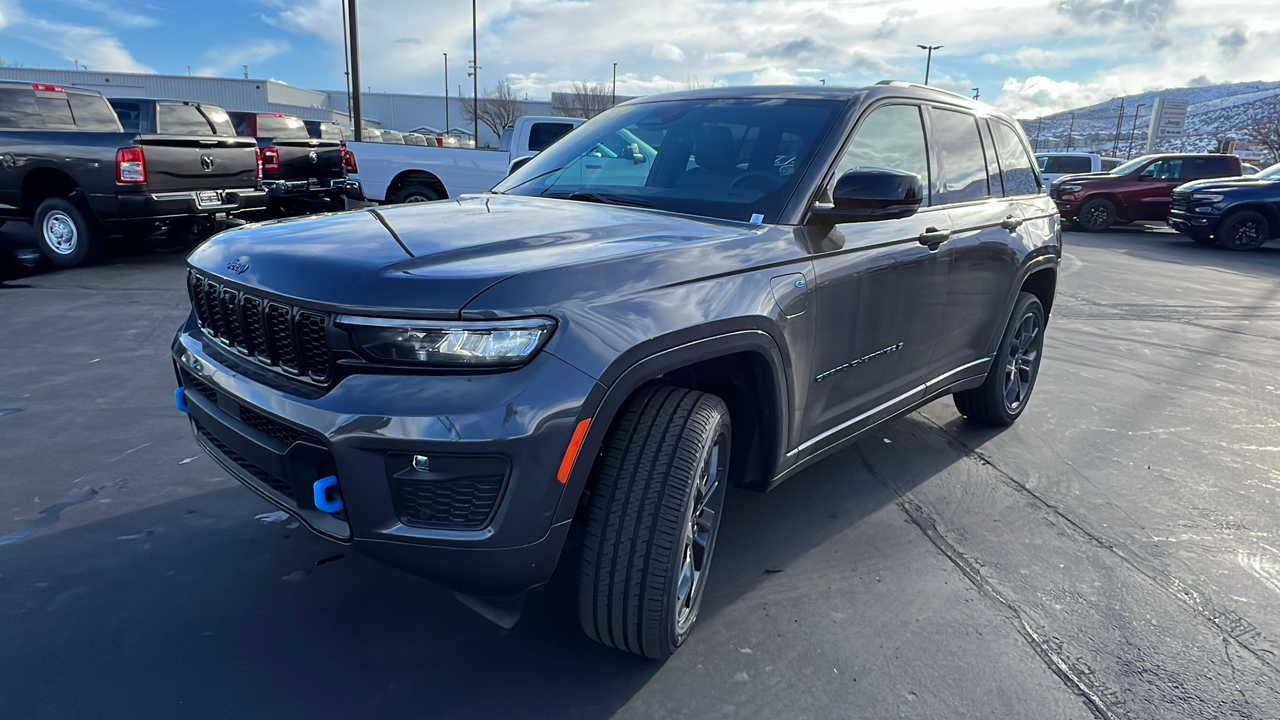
column 963, row 168
column 18, row 109
column 92, row 112
column 130, row 115
column 55, row 109
column 1210, row 167
column 542, row 134
column 892, row 136
column 240, row 121
column 282, row 126
column 1016, row 167
column 1067, row 164
column 1108, row 165
column 993, row 161
column 175, row 119
column 219, row 119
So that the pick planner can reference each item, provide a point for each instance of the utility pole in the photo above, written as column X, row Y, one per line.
column 346, row 59
column 1071, row 130
column 928, row 62
column 475, row 78
column 1128, row 153
column 976, row 94
column 446, row 93
column 354, row 27
column 1039, row 124
column 1115, row 146
column 615, row 85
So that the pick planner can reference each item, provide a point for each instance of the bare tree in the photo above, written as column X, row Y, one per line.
column 584, row 100
column 497, row 109
column 1262, row 124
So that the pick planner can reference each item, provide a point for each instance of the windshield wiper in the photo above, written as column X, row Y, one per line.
column 604, row 199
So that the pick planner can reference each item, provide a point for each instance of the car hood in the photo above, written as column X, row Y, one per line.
column 1220, row 184
column 1083, row 177
column 431, row 259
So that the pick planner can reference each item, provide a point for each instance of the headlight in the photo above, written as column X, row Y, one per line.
column 1070, row 188
column 449, row 344
column 1207, row 197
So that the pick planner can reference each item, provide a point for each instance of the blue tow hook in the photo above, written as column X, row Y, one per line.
column 180, row 399
column 320, row 493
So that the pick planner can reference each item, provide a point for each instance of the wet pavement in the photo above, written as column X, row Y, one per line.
column 1115, row 554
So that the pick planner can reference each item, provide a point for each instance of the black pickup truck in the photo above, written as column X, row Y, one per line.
column 303, row 174
column 68, row 166
column 741, row 283
column 1235, row 213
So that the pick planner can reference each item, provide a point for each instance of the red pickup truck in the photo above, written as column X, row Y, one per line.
column 1140, row 189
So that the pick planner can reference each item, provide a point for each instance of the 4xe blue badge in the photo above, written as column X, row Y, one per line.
column 239, row 265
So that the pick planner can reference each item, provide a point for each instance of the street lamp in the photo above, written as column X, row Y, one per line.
column 475, row 79
column 446, row 93
column 615, row 84
column 928, row 59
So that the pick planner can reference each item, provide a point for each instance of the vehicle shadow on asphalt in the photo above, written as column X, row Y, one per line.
column 195, row 609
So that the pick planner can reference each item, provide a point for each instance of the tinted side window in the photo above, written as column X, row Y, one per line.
column 217, row 117
column 1109, row 165
column 993, row 162
column 175, row 119
column 1067, row 164
column 55, row 109
column 18, row 109
column 963, row 166
column 1170, row 169
column 240, row 121
column 281, row 126
column 1015, row 164
column 130, row 115
column 1194, row 168
column 541, row 135
column 891, row 137
column 93, row 113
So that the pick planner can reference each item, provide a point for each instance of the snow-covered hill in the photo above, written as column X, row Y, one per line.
column 1216, row 111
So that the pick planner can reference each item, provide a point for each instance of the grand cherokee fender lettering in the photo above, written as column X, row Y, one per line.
column 859, row 361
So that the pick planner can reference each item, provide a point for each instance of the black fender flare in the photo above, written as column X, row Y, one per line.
column 1045, row 258
column 604, row 402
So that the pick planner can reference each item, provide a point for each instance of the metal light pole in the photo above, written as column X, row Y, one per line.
column 346, row 59
column 475, row 78
column 354, row 28
column 1128, row 153
column 446, row 93
column 1071, row 130
column 1039, row 124
column 928, row 62
column 615, row 85
column 1115, row 146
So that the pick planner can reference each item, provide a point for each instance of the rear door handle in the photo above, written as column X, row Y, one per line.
column 1011, row 223
column 933, row 237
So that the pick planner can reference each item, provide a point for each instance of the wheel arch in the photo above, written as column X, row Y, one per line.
column 743, row 368
column 417, row 177
column 1267, row 210
column 45, row 182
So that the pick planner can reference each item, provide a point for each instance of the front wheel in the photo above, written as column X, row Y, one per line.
column 1002, row 397
column 1096, row 215
column 1244, row 230
column 66, row 235
column 413, row 193
column 652, row 520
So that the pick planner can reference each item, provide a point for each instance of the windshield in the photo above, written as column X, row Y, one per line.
column 1134, row 164
column 1270, row 173
column 730, row 159
column 281, row 126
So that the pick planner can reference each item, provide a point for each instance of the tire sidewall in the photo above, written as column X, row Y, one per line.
column 402, row 195
column 1083, row 214
column 1028, row 303
column 86, row 237
column 674, row 637
column 1229, row 228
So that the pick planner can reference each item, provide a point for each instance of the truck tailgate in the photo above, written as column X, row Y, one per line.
column 186, row 162
column 301, row 159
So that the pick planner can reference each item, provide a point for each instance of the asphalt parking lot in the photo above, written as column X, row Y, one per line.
column 1115, row 554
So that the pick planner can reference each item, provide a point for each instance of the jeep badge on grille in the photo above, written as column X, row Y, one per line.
column 239, row 265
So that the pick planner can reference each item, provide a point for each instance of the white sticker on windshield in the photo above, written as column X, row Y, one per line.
column 757, row 218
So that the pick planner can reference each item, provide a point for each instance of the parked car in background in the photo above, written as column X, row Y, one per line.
column 1237, row 214
column 416, row 174
column 369, row 134
column 1054, row 165
column 68, row 166
column 418, row 140
column 392, row 137
column 1247, row 169
column 303, row 174
column 1140, row 189
column 612, row 338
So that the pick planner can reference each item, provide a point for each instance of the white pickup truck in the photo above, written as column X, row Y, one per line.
column 409, row 173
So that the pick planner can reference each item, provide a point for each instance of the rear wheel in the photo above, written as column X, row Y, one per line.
column 413, row 193
column 1244, row 230
column 652, row 520
column 1096, row 215
column 1002, row 397
column 65, row 233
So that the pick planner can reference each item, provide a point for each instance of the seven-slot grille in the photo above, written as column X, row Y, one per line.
column 1180, row 201
column 273, row 333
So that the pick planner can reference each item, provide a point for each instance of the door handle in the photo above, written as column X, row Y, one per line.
column 1011, row 223
column 933, row 237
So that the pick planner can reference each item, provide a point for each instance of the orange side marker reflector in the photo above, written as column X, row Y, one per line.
column 571, row 452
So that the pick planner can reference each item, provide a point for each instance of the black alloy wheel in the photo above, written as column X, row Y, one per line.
column 1244, row 230
column 1096, row 215
column 1003, row 395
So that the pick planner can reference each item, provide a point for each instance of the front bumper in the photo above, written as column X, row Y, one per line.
column 133, row 207
column 1067, row 208
column 1193, row 224
column 363, row 429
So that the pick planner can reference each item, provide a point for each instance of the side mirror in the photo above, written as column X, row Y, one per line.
column 871, row 193
column 1147, row 174
column 518, row 163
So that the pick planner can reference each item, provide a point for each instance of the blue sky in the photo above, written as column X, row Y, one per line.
column 1027, row 56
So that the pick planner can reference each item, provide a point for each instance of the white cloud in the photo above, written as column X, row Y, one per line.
column 94, row 47
column 113, row 13
column 228, row 59
column 667, row 51
column 777, row 76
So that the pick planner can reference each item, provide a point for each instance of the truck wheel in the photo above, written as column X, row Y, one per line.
column 652, row 520
column 413, row 193
column 1002, row 397
column 1244, row 230
column 1096, row 215
column 65, row 235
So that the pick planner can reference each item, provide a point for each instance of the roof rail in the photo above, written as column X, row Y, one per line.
column 918, row 86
